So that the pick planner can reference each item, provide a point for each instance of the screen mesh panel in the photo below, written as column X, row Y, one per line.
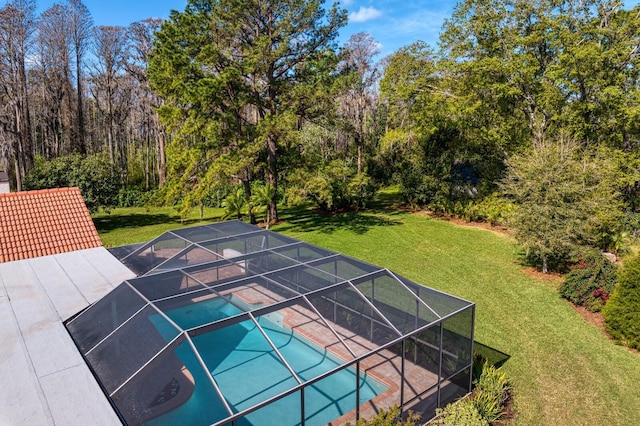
column 229, row 322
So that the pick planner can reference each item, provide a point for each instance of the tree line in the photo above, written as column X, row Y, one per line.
column 69, row 87
column 529, row 109
column 526, row 112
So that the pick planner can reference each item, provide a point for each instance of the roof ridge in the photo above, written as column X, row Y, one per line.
column 65, row 189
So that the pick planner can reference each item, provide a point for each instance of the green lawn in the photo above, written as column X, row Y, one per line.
column 564, row 370
column 136, row 225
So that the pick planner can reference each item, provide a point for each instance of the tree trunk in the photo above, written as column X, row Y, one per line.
column 110, row 143
column 70, row 138
column 247, row 196
column 25, row 130
column 17, row 174
column 359, row 146
column 272, row 174
column 19, row 149
column 162, row 161
column 147, row 162
column 82, row 144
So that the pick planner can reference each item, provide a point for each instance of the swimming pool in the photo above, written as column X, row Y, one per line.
column 248, row 371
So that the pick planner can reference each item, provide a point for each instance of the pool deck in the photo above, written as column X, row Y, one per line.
column 384, row 366
column 45, row 380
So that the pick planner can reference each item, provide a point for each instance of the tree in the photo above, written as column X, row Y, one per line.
column 141, row 36
column 81, row 25
column 109, row 88
column 17, row 25
column 359, row 98
column 212, row 137
column 335, row 185
column 238, row 76
column 510, row 74
column 234, row 204
column 425, row 144
column 262, row 197
column 545, row 68
column 96, row 177
column 565, row 199
column 622, row 311
column 495, row 68
column 54, row 69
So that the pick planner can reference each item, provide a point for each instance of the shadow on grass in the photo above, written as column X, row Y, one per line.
column 136, row 220
column 493, row 356
column 306, row 219
column 379, row 212
column 386, row 202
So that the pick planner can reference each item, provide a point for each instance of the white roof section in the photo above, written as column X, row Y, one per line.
column 45, row 380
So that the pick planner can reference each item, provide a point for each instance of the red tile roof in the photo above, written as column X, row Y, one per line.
column 44, row 222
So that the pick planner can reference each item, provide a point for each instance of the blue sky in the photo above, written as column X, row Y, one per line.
column 392, row 23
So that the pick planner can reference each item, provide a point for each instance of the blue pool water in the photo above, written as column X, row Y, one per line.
column 248, row 371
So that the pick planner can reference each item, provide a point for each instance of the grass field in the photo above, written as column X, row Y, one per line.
column 136, row 225
column 564, row 370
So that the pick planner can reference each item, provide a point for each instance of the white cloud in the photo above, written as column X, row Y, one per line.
column 364, row 14
column 346, row 2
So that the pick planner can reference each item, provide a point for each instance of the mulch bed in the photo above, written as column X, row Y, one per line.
column 549, row 276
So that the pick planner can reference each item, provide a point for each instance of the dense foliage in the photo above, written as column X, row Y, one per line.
column 526, row 115
column 622, row 312
column 390, row 417
column 543, row 94
column 337, row 186
column 484, row 406
column 590, row 281
column 71, row 87
column 96, row 177
column 565, row 199
column 237, row 77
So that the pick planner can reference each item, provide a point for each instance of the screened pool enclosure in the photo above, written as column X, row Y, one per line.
column 230, row 324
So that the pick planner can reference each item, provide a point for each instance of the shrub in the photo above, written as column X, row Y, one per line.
column 337, row 186
column 479, row 362
column 622, row 312
column 492, row 391
column 389, row 417
column 97, row 179
column 590, row 280
column 131, row 197
column 134, row 197
column 360, row 190
column 484, row 406
column 494, row 209
column 262, row 195
column 235, row 204
column 462, row 412
column 487, row 406
column 565, row 196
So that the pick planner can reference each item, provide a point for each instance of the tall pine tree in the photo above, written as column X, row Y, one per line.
column 238, row 76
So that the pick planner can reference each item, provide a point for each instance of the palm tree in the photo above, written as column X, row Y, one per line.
column 262, row 197
column 234, row 204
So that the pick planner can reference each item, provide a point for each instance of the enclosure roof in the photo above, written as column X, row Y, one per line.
column 45, row 380
column 44, row 222
column 195, row 283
